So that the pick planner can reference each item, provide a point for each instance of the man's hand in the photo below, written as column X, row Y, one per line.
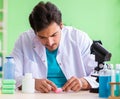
column 76, row 84
column 44, row 85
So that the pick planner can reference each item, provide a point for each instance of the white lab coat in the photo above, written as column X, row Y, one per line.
column 73, row 55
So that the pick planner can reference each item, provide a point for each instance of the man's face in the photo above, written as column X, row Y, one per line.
column 50, row 36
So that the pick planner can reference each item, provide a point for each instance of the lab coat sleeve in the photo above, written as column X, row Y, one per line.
column 18, row 57
column 88, row 60
column 92, row 81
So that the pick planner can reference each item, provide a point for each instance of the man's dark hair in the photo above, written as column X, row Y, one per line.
column 43, row 15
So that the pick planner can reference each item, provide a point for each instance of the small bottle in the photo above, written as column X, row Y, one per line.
column 117, row 79
column 9, row 68
column 104, row 80
column 8, row 81
column 112, row 73
column 28, row 83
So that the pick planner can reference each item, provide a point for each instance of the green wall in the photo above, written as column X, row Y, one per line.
column 99, row 18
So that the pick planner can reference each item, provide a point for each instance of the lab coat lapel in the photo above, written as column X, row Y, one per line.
column 64, row 63
column 40, row 50
column 62, row 58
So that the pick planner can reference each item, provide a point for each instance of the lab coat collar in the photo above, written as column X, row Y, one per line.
column 61, row 45
column 39, row 48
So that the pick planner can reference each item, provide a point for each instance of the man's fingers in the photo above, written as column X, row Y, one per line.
column 76, row 88
column 44, row 85
column 41, row 90
column 53, row 86
column 72, row 84
column 68, row 83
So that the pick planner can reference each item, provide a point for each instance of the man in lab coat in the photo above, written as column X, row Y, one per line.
column 56, row 55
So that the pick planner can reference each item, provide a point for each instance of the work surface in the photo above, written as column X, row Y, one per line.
column 63, row 95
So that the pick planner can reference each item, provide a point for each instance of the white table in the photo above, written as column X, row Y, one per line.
column 63, row 95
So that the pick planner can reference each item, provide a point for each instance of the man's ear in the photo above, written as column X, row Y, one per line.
column 61, row 25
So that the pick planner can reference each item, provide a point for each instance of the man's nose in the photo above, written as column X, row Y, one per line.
column 50, row 41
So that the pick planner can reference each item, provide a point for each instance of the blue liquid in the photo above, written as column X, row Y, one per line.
column 117, row 92
column 104, row 86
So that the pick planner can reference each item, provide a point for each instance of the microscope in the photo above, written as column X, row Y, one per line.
column 101, row 55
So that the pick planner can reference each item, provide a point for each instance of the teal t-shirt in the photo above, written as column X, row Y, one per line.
column 55, row 73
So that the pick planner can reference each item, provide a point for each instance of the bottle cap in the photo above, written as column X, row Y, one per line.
column 9, row 57
column 28, row 76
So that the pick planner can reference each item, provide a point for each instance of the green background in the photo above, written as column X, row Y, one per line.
column 100, row 19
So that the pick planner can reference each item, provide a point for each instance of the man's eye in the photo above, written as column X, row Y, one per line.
column 42, row 37
column 54, row 35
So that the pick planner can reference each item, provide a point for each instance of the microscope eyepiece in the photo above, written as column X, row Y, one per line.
column 101, row 54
